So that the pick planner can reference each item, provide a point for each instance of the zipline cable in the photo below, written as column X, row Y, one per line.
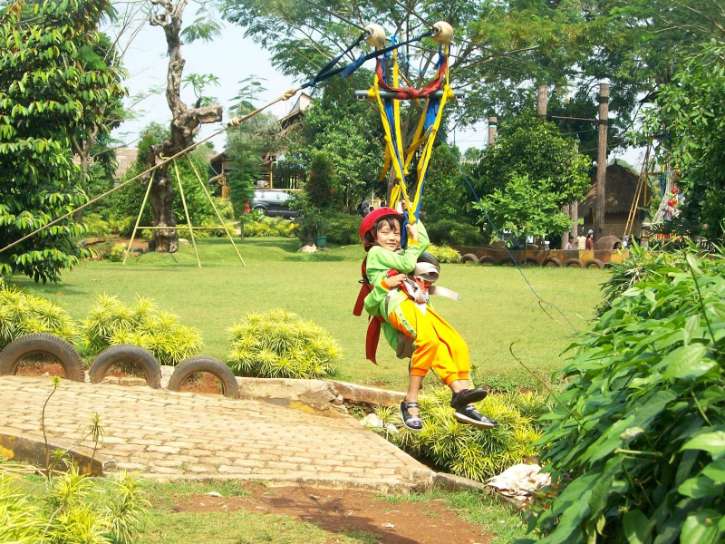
column 540, row 299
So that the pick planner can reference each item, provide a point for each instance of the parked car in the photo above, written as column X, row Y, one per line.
column 273, row 203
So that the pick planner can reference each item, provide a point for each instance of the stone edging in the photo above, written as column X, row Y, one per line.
column 16, row 447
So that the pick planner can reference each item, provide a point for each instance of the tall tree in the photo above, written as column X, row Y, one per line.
column 526, row 178
column 185, row 122
column 54, row 89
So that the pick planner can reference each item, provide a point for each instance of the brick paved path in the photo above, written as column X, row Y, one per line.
column 169, row 435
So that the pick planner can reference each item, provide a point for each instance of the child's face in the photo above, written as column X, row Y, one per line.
column 388, row 234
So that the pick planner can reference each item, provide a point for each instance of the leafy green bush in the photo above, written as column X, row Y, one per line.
column 278, row 344
column 637, row 443
column 445, row 254
column 116, row 253
column 110, row 322
column 341, row 228
column 452, row 232
column 270, row 226
column 22, row 314
column 461, row 449
column 71, row 508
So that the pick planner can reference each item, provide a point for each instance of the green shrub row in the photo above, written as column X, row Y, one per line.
column 636, row 442
column 276, row 344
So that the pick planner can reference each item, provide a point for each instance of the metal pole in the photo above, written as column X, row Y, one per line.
column 601, row 195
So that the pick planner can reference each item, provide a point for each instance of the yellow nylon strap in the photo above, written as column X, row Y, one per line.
column 386, row 165
column 388, row 133
column 400, row 189
column 427, row 150
column 417, row 138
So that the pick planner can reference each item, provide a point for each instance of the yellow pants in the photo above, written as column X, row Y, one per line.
column 436, row 345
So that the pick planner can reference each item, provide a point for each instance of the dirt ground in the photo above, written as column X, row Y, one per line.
column 346, row 511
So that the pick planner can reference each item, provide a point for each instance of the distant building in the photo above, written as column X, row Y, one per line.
column 125, row 157
column 620, row 186
column 275, row 175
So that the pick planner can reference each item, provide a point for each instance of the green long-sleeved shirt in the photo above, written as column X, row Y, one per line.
column 379, row 261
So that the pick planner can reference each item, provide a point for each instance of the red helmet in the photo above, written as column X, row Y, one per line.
column 373, row 217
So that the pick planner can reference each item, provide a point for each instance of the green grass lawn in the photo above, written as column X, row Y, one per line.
column 496, row 306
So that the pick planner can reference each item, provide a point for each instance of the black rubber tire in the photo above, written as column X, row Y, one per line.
column 595, row 263
column 64, row 352
column 204, row 363
column 573, row 263
column 487, row 260
column 531, row 262
column 469, row 258
column 552, row 263
column 139, row 357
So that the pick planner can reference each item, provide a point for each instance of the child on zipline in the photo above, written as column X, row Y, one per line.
column 436, row 344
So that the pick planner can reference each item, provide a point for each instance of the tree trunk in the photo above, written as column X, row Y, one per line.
column 185, row 123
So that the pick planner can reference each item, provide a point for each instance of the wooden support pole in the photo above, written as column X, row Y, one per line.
column 138, row 219
column 542, row 100
column 216, row 210
column 492, row 130
column 601, row 195
column 188, row 217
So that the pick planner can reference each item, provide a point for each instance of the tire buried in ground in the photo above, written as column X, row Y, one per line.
column 469, row 258
column 64, row 352
column 203, row 363
column 573, row 263
column 552, row 263
column 595, row 263
column 136, row 356
column 487, row 260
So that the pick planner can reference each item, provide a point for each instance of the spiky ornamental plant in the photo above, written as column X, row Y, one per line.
column 278, row 344
column 111, row 322
column 465, row 450
column 21, row 314
column 445, row 254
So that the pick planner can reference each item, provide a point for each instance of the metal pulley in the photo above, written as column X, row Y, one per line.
column 442, row 33
column 376, row 36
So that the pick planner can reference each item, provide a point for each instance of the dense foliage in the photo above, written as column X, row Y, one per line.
column 463, row 450
column 527, row 176
column 278, row 344
column 636, row 441
column 340, row 144
column 21, row 314
column 691, row 114
column 72, row 508
column 55, row 88
column 111, row 322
